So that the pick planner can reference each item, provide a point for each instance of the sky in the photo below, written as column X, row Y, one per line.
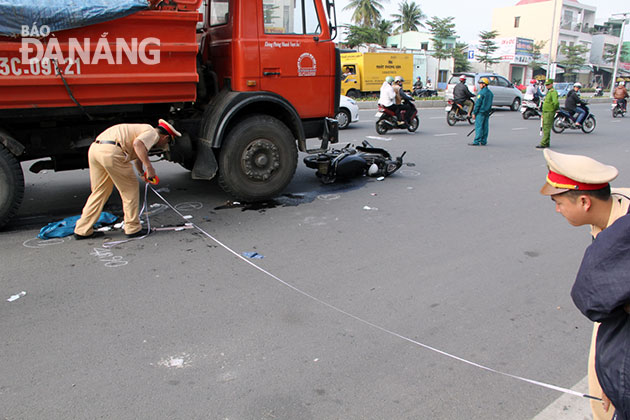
column 471, row 17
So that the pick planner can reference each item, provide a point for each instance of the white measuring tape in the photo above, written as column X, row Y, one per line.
column 359, row 319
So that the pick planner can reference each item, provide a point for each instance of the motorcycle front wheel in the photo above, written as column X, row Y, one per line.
column 450, row 118
column 415, row 122
column 381, row 127
column 557, row 126
column 589, row 124
column 525, row 114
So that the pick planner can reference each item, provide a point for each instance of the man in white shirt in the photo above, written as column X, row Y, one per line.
column 388, row 96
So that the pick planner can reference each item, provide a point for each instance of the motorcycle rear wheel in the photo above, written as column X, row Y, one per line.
column 589, row 124
column 616, row 112
column 525, row 114
column 381, row 127
column 557, row 126
column 451, row 118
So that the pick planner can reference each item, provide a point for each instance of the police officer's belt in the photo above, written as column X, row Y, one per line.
column 107, row 142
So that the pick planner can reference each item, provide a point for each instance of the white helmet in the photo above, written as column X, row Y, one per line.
column 398, row 79
column 577, row 85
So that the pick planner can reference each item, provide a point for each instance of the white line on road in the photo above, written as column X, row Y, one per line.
column 435, row 118
column 445, row 134
column 519, row 128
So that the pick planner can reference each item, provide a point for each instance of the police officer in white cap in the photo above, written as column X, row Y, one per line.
column 580, row 188
column 110, row 158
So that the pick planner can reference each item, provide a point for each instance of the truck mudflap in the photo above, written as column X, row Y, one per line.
column 206, row 165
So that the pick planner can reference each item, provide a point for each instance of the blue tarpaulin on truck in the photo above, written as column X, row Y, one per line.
column 57, row 15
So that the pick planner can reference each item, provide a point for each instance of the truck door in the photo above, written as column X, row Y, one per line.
column 297, row 58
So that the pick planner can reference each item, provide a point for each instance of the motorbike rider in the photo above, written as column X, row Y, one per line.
column 620, row 94
column 402, row 99
column 461, row 95
column 533, row 92
column 388, row 97
column 417, row 85
column 574, row 104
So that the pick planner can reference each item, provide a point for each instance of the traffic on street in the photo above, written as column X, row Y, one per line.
column 410, row 296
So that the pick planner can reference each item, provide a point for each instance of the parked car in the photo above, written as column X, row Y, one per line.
column 562, row 88
column 505, row 93
column 348, row 112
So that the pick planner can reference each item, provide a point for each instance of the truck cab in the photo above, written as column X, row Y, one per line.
column 246, row 81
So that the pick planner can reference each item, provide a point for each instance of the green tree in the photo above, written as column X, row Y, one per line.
column 409, row 18
column 573, row 58
column 357, row 35
column 384, row 29
column 536, row 62
column 610, row 52
column 460, row 58
column 487, row 47
column 441, row 30
column 366, row 12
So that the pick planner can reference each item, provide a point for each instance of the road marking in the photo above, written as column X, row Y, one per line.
column 435, row 118
column 567, row 407
column 445, row 134
column 519, row 128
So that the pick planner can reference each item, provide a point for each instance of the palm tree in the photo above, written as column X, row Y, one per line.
column 366, row 12
column 384, row 30
column 410, row 17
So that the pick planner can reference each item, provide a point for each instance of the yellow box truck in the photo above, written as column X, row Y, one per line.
column 364, row 73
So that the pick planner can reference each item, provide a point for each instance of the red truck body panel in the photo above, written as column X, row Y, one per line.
column 105, row 73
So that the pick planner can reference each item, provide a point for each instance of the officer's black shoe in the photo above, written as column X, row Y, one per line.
column 141, row 232
column 94, row 234
column 540, row 146
column 474, row 144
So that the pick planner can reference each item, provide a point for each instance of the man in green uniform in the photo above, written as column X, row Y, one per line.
column 549, row 108
column 481, row 112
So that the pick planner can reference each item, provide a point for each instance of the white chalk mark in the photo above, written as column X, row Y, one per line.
column 192, row 205
column 39, row 243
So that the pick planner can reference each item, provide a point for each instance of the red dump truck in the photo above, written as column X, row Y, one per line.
column 246, row 81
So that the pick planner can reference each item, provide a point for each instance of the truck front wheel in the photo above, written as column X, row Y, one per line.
column 11, row 185
column 258, row 159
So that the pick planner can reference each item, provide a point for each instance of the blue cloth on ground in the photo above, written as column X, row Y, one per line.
column 66, row 226
column 59, row 15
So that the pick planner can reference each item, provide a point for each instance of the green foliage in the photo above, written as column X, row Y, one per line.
column 460, row 58
column 366, row 12
column 610, row 52
column 573, row 58
column 410, row 17
column 357, row 35
column 441, row 29
column 487, row 47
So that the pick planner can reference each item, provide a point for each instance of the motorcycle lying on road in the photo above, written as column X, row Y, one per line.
column 617, row 109
column 456, row 112
column 424, row 93
column 350, row 162
column 564, row 119
column 386, row 119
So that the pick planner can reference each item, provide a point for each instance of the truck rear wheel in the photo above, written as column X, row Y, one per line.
column 11, row 185
column 258, row 159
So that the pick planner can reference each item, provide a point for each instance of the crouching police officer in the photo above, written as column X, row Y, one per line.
column 110, row 158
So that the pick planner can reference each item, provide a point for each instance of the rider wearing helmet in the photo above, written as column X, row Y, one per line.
column 402, row 99
column 574, row 104
column 620, row 94
column 461, row 94
column 388, row 96
column 533, row 92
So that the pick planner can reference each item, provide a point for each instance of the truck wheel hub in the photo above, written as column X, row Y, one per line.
column 260, row 159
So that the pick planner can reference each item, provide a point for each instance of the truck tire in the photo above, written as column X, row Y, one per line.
column 258, row 159
column 11, row 185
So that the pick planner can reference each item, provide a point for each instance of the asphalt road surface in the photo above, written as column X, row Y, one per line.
column 459, row 252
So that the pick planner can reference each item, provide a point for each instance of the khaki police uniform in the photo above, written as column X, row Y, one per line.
column 574, row 172
column 110, row 158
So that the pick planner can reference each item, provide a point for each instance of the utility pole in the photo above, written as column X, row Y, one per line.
column 551, row 74
column 614, row 76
